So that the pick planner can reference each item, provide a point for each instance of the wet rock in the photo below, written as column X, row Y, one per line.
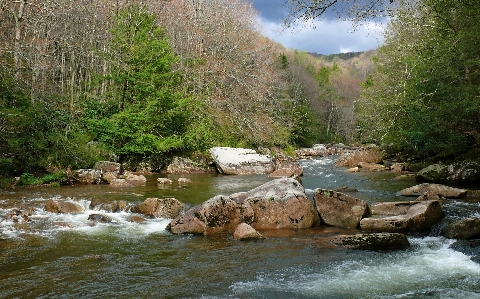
column 468, row 247
column 100, row 218
column 375, row 241
column 397, row 167
column 159, row 208
column 433, row 189
column 278, row 204
column 186, row 165
column 241, row 161
column 114, row 206
column 418, row 218
column 184, row 181
column 245, row 232
column 119, row 183
column 372, row 167
column 164, row 181
column 338, row 209
column 457, row 173
column 353, row 169
column 464, row 229
column 345, row 189
column 318, row 150
column 136, row 179
column 107, row 166
column 88, row 176
column 286, row 167
column 57, row 206
column 137, row 219
column 371, row 154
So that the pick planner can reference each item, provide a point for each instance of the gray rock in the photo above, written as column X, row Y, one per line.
column 88, row 176
column 100, row 218
column 338, row 209
column 181, row 165
column 241, row 161
column 457, row 173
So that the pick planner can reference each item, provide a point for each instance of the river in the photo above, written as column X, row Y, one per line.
column 66, row 256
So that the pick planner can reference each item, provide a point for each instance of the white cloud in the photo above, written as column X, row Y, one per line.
column 327, row 37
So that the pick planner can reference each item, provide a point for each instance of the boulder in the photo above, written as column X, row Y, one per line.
column 286, row 167
column 375, row 241
column 88, row 176
column 137, row 219
column 338, row 209
column 457, row 173
column 181, row 165
column 278, row 204
column 282, row 173
column 468, row 247
column 100, row 218
column 399, row 217
column 136, row 179
column 433, row 189
column 241, row 161
column 464, row 229
column 56, row 206
column 245, row 232
column 159, row 208
column 316, row 150
column 107, row 166
column 114, row 206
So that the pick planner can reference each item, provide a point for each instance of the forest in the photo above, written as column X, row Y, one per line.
column 143, row 81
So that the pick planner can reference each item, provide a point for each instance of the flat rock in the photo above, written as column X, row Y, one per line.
column 464, row 229
column 418, row 218
column 375, row 241
column 168, row 208
column 241, row 161
column 441, row 190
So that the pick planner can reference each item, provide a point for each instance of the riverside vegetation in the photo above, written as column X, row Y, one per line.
column 139, row 83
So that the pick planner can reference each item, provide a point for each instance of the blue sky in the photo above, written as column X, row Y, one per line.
column 327, row 37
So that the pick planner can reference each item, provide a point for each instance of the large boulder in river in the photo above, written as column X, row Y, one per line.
column 464, row 229
column 180, row 165
column 278, row 204
column 433, row 189
column 338, row 209
column 57, row 206
column 457, row 173
column 107, row 166
column 241, row 161
column 88, row 176
column 403, row 217
column 159, row 208
column 375, row 241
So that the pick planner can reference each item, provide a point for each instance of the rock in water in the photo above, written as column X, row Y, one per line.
column 241, row 161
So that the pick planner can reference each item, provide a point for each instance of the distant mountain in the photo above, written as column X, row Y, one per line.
column 330, row 57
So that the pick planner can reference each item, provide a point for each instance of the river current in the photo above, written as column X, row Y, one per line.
column 66, row 256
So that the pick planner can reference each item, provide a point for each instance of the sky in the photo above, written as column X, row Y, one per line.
column 327, row 37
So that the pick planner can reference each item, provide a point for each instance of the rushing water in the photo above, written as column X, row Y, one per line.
column 65, row 256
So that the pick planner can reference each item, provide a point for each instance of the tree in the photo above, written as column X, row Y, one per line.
column 151, row 113
column 424, row 96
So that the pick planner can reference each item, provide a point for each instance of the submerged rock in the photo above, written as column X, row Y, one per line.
column 100, row 218
column 375, row 241
column 241, row 161
column 338, row 209
column 56, row 206
column 278, row 204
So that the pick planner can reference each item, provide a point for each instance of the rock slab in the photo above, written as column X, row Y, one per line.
column 241, row 161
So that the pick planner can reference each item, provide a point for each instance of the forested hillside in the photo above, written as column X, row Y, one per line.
column 139, row 81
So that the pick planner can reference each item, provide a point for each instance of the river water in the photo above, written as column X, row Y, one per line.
column 66, row 256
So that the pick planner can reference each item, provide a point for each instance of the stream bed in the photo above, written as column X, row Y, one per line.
column 66, row 256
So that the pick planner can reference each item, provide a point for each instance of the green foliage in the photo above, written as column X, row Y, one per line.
column 424, row 96
column 27, row 179
column 151, row 116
